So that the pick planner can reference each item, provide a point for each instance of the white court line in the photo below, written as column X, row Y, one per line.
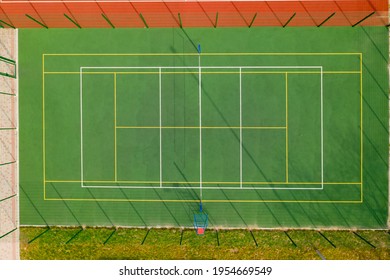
column 240, row 128
column 200, row 123
column 197, row 188
column 203, row 67
column 81, row 128
column 200, row 131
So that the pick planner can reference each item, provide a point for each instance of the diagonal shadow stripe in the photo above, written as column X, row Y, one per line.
column 375, row 114
column 235, row 209
column 384, row 92
column 375, row 44
column 168, row 209
column 100, row 207
column 65, row 203
column 375, row 149
column 33, row 205
column 133, row 207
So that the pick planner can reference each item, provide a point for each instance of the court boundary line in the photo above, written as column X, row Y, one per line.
column 205, row 200
column 204, row 72
column 208, row 183
column 243, row 54
column 200, row 114
column 211, row 54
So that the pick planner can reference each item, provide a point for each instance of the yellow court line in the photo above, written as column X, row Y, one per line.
column 204, row 200
column 203, row 127
column 192, row 72
column 115, row 139
column 361, row 126
column 286, row 127
column 203, row 54
column 209, row 183
column 43, row 128
column 219, row 54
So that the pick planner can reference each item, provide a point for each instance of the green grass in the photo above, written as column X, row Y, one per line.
column 175, row 244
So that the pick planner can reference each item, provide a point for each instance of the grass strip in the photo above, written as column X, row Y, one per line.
column 176, row 244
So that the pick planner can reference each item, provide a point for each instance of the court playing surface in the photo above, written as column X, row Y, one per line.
column 268, row 127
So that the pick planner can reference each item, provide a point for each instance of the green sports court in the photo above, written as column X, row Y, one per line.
column 265, row 127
